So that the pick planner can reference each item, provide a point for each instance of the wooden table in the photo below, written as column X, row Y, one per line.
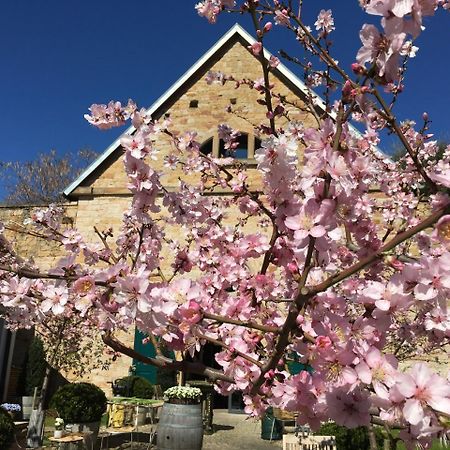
column 71, row 441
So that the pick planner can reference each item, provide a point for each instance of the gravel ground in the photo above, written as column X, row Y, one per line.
column 236, row 432
column 232, row 432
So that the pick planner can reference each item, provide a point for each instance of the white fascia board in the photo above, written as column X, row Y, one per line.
column 235, row 29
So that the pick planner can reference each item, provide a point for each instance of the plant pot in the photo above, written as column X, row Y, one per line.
column 58, row 434
column 180, row 426
column 90, row 429
column 140, row 415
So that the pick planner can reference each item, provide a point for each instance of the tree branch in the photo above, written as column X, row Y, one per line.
column 256, row 326
column 166, row 363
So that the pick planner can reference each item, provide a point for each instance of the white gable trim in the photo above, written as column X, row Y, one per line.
column 235, row 29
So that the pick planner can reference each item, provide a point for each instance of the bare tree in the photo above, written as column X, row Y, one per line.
column 42, row 180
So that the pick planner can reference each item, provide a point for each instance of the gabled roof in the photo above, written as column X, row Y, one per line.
column 236, row 32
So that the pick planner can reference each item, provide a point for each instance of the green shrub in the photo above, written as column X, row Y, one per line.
column 79, row 403
column 137, row 386
column 350, row 439
column 6, row 429
column 36, row 365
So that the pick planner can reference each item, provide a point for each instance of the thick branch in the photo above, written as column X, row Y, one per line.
column 166, row 363
column 230, row 349
column 368, row 260
column 256, row 326
column 25, row 273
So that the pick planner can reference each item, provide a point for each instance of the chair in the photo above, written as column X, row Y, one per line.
column 158, row 393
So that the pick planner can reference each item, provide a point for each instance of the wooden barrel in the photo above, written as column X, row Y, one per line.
column 180, row 427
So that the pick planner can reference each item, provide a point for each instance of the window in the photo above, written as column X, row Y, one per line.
column 245, row 151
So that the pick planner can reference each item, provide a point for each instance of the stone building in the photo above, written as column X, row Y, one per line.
column 99, row 196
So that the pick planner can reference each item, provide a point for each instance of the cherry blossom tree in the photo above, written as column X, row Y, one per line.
column 349, row 284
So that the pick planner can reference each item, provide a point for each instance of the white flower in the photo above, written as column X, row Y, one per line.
column 183, row 392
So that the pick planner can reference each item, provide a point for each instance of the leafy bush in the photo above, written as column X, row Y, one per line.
column 136, row 386
column 79, row 403
column 35, row 370
column 350, row 439
column 6, row 429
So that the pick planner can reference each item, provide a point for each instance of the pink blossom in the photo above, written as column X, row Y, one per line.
column 377, row 368
column 387, row 297
column 209, row 9
column 383, row 50
column 325, row 21
column 307, row 222
column 84, row 285
column 256, row 48
column 442, row 230
column 349, row 408
column 55, row 298
column 190, row 315
column 274, row 62
column 111, row 115
column 421, row 387
column 282, row 17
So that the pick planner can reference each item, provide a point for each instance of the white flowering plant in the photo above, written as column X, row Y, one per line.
column 183, row 394
column 59, row 423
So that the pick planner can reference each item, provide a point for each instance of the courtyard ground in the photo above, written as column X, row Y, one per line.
column 231, row 432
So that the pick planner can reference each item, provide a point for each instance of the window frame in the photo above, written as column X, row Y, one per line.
column 251, row 145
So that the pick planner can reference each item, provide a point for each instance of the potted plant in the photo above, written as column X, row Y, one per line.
column 81, row 405
column 181, row 424
column 34, row 377
column 59, row 427
column 6, row 429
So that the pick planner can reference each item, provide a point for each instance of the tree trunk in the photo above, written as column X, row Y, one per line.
column 37, row 419
column 35, row 428
column 372, row 438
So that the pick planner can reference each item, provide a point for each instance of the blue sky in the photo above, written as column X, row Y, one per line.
column 59, row 57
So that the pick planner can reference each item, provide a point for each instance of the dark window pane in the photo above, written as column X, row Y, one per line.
column 207, row 147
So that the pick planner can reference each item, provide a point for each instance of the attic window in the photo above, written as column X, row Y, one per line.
column 245, row 150
column 193, row 104
column 207, row 147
